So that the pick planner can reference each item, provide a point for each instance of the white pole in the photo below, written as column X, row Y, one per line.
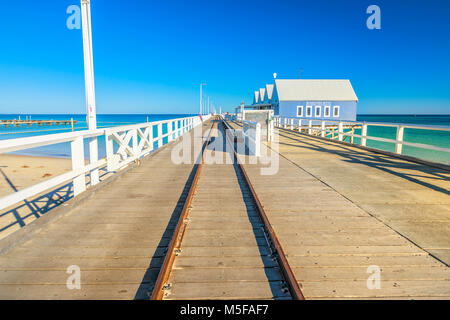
column 201, row 97
column 89, row 83
column 88, row 64
column 208, row 105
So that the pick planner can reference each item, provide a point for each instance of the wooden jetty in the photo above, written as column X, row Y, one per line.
column 317, row 229
column 29, row 123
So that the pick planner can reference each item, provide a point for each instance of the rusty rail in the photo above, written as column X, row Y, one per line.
column 289, row 277
column 175, row 242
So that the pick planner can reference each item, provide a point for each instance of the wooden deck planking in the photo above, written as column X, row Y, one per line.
column 329, row 238
column 329, row 227
column 117, row 238
column 219, row 259
column 411, row 198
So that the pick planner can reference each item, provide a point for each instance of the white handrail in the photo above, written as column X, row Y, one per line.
column 297, row 124
column 126, row 153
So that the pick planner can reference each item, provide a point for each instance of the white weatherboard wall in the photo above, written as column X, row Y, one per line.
column 290, row 94
column 347, row 109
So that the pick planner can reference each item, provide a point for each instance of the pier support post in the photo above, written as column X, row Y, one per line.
column 398, row 144
column 322, row 132
column 77, row 150
column 310, row 127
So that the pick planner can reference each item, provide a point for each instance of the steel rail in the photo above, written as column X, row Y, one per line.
column 175, row 242
column 291, row 281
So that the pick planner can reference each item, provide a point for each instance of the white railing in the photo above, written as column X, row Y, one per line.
column 134, row 142
column 252, row 136
column 335, row 130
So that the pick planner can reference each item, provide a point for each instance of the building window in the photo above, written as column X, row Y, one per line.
column 326, row 111
column 318, row 111
column 336, row 111
column 299, row 111
column 309, row 111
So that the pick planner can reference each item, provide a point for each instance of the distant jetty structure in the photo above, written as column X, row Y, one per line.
column 28, row 122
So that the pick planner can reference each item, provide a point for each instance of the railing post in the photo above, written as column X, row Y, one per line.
column 150, row 137
column 310, row 127
column 285, row 123
column 341, row 131
column 109, row 151
column 77, row 150
column 134, row 141
column 93, row 158
column 292, row 124
column 160, row 140
column 399, row 139
column 169, row 130
column 322, row 133
column 364, row 135
column 299, row 125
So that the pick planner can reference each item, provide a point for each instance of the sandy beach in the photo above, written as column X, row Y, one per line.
column 18, row 172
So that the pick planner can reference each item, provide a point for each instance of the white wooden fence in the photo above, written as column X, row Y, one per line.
column 134, row 142
column 322, row 127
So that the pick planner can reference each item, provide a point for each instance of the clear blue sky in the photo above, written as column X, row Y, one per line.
column 150, row 56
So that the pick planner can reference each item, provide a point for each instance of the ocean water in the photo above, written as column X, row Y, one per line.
column 429, row 137
column 62, row 150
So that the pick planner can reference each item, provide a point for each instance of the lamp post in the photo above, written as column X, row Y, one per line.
column 201, row 97
column 89, row 83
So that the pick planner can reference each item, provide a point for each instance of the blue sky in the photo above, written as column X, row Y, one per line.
column 151, row 56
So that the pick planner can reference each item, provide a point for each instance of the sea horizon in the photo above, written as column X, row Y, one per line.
column 436, row 138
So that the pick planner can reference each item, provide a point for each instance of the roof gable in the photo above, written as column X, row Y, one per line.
column 315, row 90
column 262, row 91
column 269, row 91
column 256, row 97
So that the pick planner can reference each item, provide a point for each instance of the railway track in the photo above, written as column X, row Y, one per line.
column 223, row 246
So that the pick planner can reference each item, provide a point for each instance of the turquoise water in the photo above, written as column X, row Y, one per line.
column 429, row 137
column 62, row 150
